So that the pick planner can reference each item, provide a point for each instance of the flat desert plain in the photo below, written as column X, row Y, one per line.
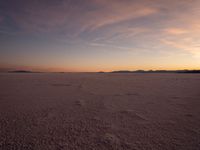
column 99, row 111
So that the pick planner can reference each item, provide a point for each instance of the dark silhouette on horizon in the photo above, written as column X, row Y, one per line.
column 157, row 71
column 117, row 71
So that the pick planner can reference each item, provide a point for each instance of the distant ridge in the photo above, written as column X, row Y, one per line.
column 118, row 71
column 21, row 71
column 157, row 71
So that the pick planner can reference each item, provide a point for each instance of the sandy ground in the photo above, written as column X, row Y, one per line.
column 88, row 111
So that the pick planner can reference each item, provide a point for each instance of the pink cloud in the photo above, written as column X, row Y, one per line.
column 176, row 31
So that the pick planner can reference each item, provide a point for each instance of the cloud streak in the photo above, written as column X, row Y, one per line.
column 74, row 15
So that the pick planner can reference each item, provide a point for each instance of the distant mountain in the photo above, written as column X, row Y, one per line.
column 122, row 71
column 157, row 71
column 188, row 71
column 21, row 71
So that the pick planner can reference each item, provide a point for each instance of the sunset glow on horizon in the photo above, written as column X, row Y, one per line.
column 99, row 35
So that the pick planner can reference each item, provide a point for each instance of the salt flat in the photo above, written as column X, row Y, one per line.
column 83, row 111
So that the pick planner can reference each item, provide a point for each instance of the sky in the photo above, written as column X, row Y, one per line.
column 99, row 35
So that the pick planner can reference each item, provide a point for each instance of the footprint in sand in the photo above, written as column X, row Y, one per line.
column 175, row 97
column 132, row 115
column 132, row 94
column 50, row 113
column 60, row 85
column 189, row 115
column 111, row 139
column 80, row 103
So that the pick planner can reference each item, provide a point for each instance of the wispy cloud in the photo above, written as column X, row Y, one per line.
column 188, row 45
column 176, row 31
column 121, row 33
column 110, row 46
column 75, row 16
column 113, row 13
